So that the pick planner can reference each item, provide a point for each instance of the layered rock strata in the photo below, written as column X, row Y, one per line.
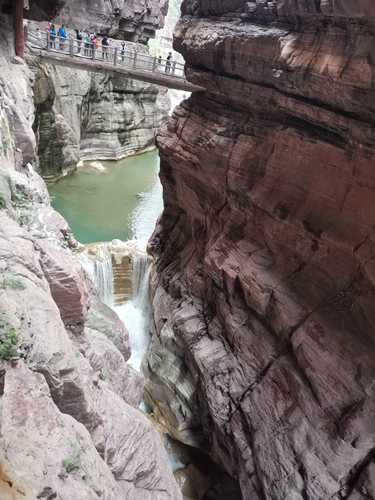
column 87, row 116
column 72, row 426
column 69, row 423
column 134, row 20
column 263, row 350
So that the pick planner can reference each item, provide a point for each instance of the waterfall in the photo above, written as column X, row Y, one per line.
column 140, row 282
column 99, row 269
column 104, row 275
column 126, row 256
column 136, row 313
column 98, row 261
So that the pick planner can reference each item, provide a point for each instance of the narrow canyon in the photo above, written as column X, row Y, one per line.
column 210, row 336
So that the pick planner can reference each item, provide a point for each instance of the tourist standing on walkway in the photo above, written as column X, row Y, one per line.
column 168, row 63
column 62, row 36
column 87, row 44
column 94, row 41
column 79, row 36
column 52, row 36
column 105, row 44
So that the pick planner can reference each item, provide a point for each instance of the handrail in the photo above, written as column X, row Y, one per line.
column 115, row 56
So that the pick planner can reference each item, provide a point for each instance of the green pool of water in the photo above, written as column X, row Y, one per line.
column 98, row 205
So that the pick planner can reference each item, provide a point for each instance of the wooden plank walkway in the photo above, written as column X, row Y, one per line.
column 131, row 64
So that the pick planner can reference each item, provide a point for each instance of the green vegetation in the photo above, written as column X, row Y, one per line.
column 72, row 463
column 22, row 202
column 24, row 219
column 12, row 282
column 19, row 199
column 8, row 342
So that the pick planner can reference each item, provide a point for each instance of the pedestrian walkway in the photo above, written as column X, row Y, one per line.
column 130, row 63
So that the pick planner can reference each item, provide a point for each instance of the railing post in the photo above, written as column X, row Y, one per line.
column 115, row 56
column 173, row 67
column 48, row 40
column 71, row 46
column 135, row 59
column 154, row 64
column 93, row 52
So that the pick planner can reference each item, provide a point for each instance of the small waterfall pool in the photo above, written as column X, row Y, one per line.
column 116, row 201
column 136, row 313
column 102, row 200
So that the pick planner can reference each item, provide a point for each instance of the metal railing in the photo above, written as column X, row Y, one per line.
column 114, row 56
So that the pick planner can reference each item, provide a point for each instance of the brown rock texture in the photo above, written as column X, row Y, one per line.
column 67, row 283
column 133, row 20
column 264, row 283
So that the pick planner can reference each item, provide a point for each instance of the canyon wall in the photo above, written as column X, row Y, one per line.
column 70, row 427
column 132, row 20
column 87, row 116
column 263, row 352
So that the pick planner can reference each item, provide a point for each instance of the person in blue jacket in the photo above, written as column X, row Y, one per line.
column 62, row 36
column 52, row 36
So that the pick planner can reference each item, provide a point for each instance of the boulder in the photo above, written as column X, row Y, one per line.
column 67, row 283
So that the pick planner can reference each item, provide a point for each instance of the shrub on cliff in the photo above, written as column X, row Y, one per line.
column 12, row 282
column 8, row 342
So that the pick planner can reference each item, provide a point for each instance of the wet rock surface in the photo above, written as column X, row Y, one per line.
column 264, row 289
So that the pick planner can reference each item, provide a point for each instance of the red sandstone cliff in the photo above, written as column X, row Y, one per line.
column 264, row 346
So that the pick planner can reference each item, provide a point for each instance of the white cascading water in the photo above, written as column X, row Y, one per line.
column 97, row 261
column 100, row 272
column 136, row 313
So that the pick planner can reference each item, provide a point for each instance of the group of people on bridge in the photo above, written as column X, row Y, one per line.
column 87, row 43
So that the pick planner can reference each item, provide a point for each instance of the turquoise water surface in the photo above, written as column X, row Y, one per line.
column 100, row 205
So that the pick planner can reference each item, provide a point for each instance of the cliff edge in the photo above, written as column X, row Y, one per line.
column 263, row 351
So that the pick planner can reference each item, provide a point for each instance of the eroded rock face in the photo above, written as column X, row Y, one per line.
column 69, row 423
column 17, row 140
column 265, row 249
column 31, row 425
column 67, row 283
column 74, row 362
column 41, row 10
column 87, row 116
column 135, row 20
